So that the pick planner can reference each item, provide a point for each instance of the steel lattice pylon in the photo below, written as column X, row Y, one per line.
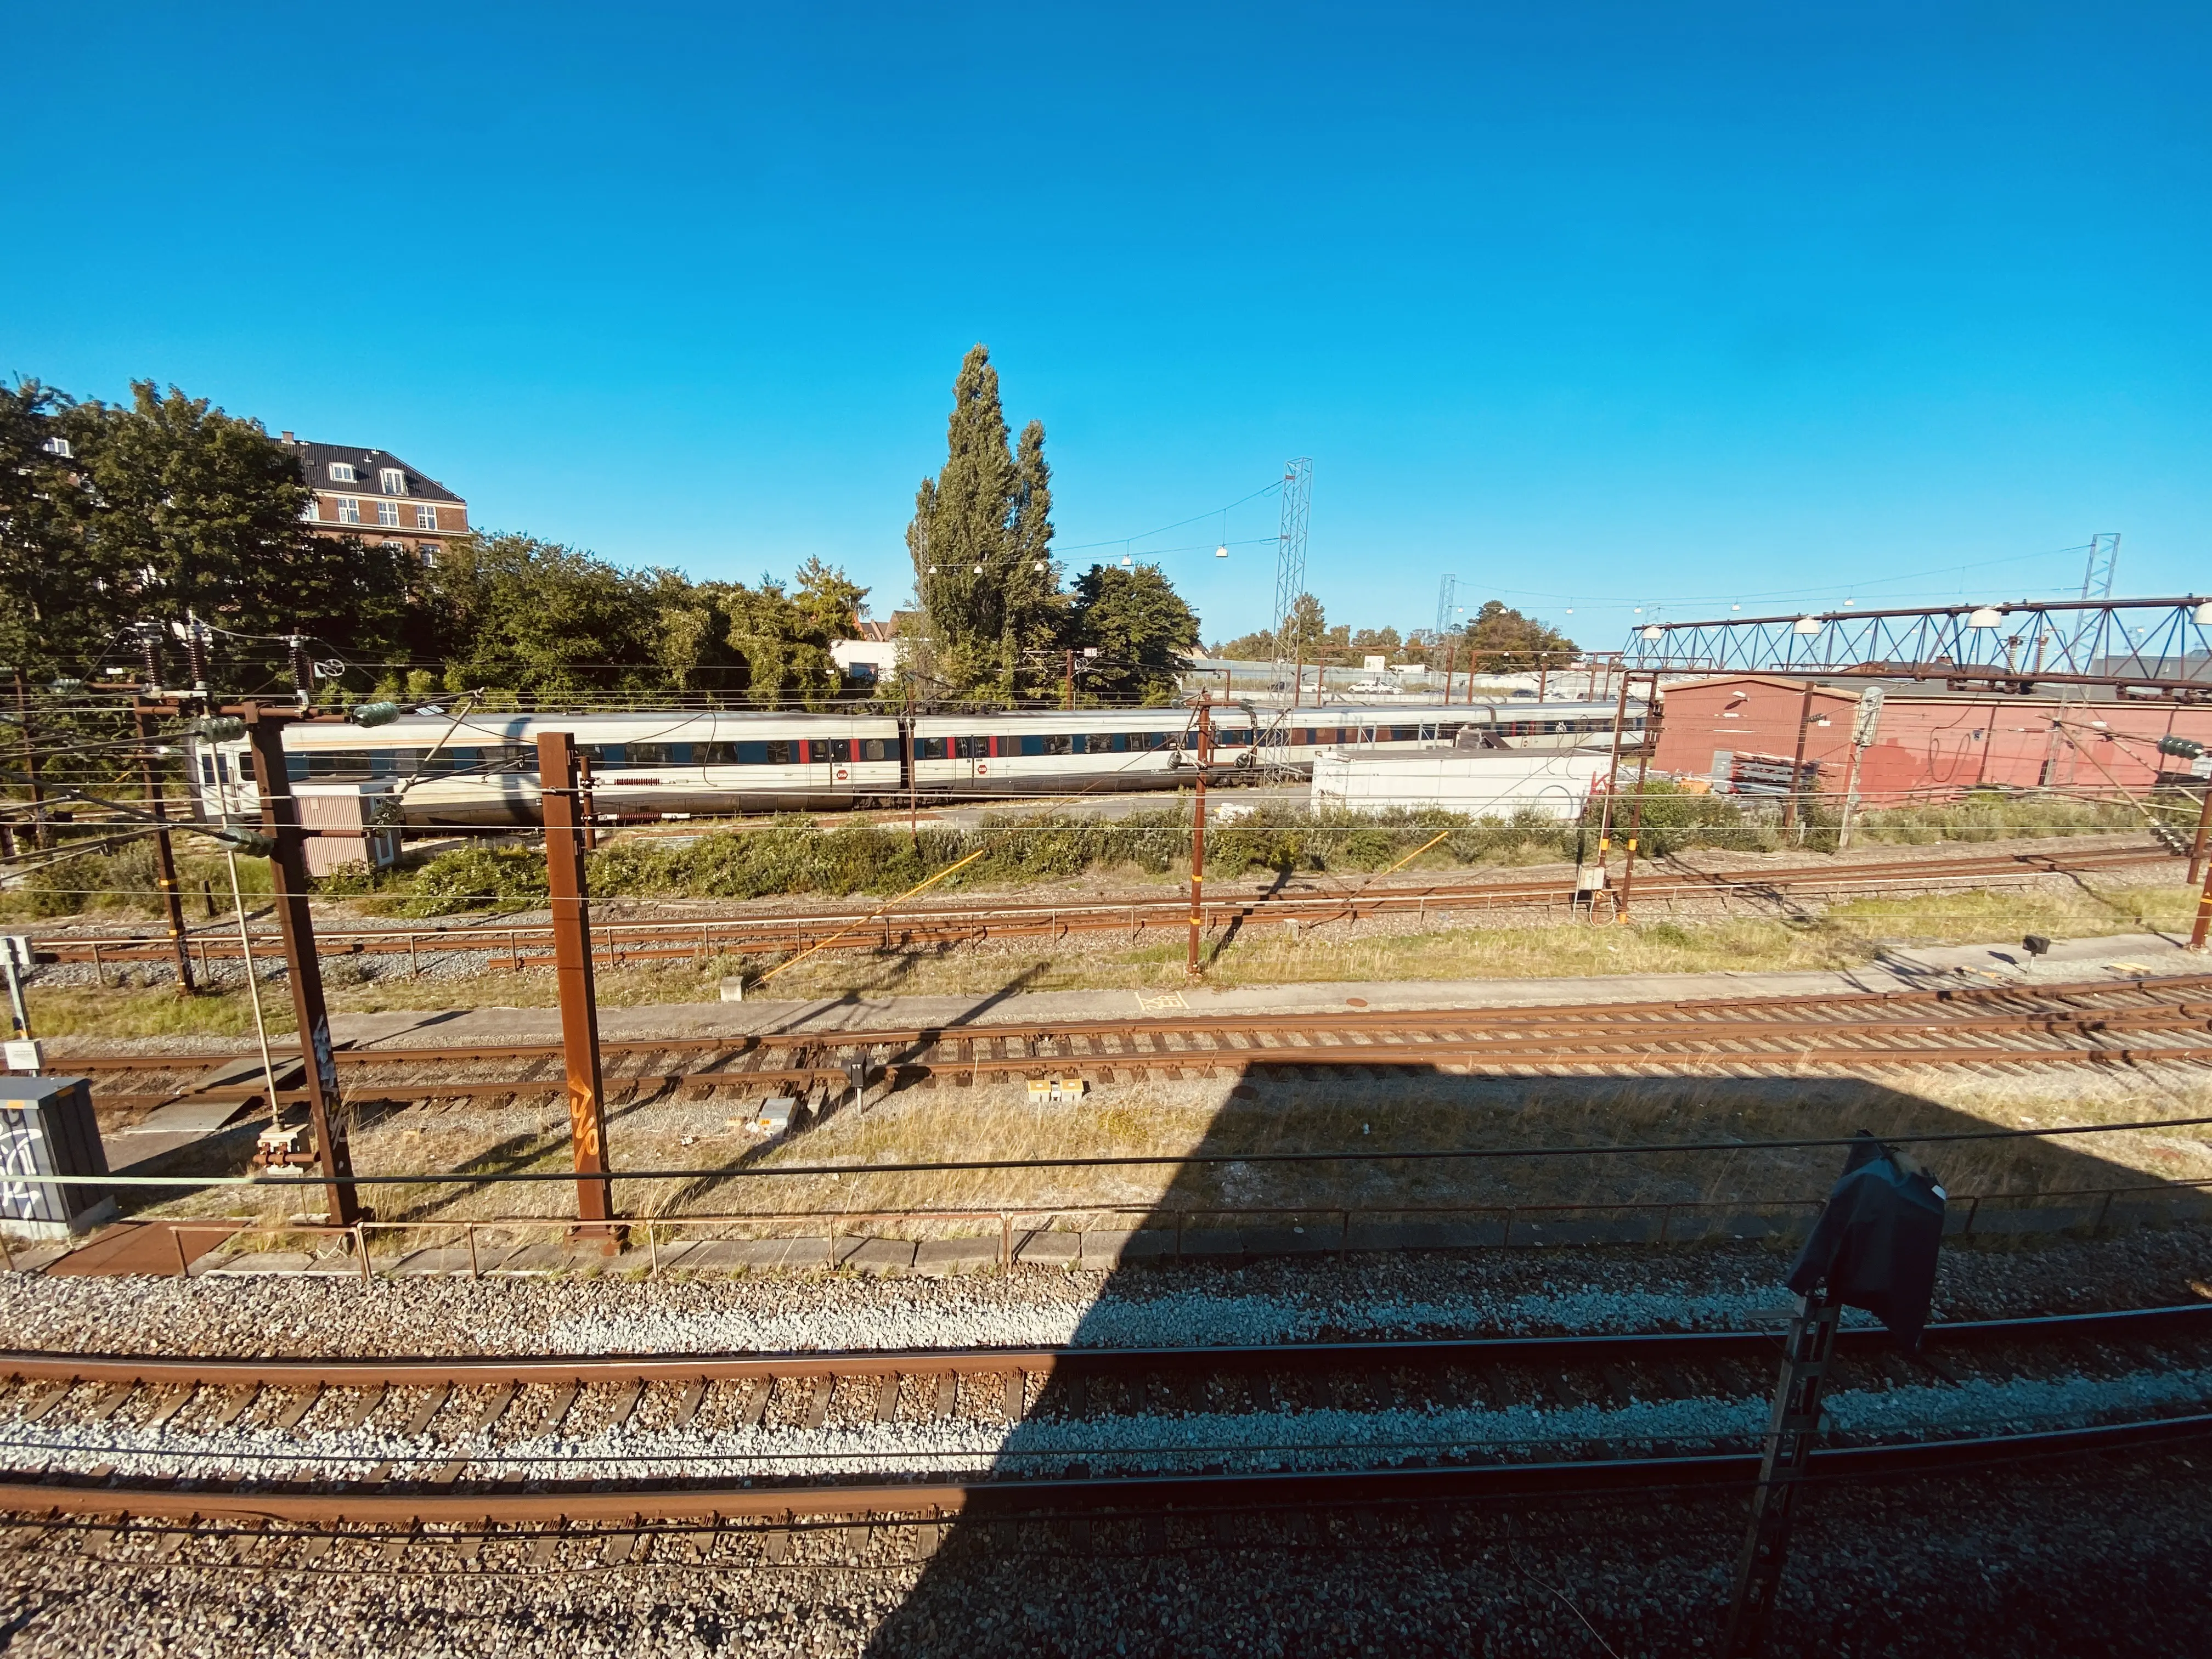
column 1447, row 600
column 1290, row 544
column 2104, row 564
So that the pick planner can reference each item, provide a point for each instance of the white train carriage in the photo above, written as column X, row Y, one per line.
column 484, row 768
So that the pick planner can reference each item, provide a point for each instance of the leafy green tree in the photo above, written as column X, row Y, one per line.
column 785, row 637
column 980, row 541
column 536, row 617
column 58, row 596
column 1141, row 628
column 1504, row 642
column 201, row 512
column 1304, row 629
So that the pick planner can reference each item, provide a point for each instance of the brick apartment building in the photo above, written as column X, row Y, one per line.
column 374, row 494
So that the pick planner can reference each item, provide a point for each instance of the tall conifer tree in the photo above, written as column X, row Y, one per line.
column 982, row 529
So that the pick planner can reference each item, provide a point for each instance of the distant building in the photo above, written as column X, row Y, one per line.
column 374, row 494
column 871, row 657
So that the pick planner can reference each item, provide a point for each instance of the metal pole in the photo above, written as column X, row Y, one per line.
column 1298, row 678
column 288, row 880
column 586, row 803
column 2204, row 824
column 1543, row 670
column 1636, row 805
column 1850, row 799
column 1191, row 965
column 1612, row 786
column 1451, row 656
column 1790, row 1436
column 253, row 991
column 165, row 854
column 572, row 966
column 1797, row 766
column 1071, row 682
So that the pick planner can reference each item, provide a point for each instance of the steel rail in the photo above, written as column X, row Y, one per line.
column 391, row 1502
column 619, row 942
column 1681, row 1020
column 2190, row 1320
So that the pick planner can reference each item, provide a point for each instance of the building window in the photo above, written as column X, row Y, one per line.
column 342, row 471
column 428, row 553
column 312, row 512
column 387, row 513
column 426, row 518
column 348, row 510
column 392, row 481
column 60, row 447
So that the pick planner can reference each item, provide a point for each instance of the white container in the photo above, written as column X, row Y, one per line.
column 1553, row 783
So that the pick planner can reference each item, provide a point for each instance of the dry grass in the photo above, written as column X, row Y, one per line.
column 1180, row 1120
column 1843, row 936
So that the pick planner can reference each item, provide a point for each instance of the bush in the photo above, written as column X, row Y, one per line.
column 479, row 878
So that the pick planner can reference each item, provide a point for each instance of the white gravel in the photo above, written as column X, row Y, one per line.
column 1149, row 1442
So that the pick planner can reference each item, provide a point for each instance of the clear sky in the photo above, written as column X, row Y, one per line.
column 1593, row 306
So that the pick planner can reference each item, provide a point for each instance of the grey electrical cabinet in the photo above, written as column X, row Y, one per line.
column 47, row 1128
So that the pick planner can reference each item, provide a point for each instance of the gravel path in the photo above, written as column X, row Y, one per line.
column 2108, row 1558
column 1410, row 1294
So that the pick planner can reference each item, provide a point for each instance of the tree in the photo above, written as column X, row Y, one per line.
column 534, row 617
column 785, row 638
column 201, row 512
column 1305, row 629
column 980, row 540
column 1141, row 628
column 1504, row 642
column 57, row 594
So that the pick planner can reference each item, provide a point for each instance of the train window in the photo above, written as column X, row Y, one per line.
column 713, row 754
column 1059, row 742
column 340, row 766
column 931, row 747
column 605, row 754
column 775, row 751
column 1405, row 734
column 296, row 768
column 971, row 748
column 1107, row 742
column 207, row 768
column 840, row 749
column 875, row 749
column 650, row 754
column 249, row 770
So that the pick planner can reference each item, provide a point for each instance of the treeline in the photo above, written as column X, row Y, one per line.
column 1496, row 639
column 117, row 519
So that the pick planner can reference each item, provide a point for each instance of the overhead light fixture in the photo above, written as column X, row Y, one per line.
column 1127, row 562
column 2204, row 614
column 1222, row 551
column 1987, row 615
column 1805, row 625
column 1654, row 632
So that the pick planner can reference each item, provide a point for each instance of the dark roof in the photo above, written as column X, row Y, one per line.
column 316, row 458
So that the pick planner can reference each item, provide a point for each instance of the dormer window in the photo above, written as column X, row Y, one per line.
column 392, row 481
column 342, row 472
column 60, row 447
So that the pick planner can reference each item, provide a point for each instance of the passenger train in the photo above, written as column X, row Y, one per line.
column 482, row 767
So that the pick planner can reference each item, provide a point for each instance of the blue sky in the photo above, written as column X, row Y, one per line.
column 1593, row 306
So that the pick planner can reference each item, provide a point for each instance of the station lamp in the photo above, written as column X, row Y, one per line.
column 1805, row 625
column 1987, row 615
column 2204, row 614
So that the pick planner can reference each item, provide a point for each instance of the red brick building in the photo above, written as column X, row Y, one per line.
column 1740, row 731
column 374, row 494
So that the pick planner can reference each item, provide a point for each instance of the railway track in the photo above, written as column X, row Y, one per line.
column 2165, row 1019
column 615, row 944
column 740, row 1447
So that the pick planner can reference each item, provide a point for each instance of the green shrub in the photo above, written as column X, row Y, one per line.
column 478, row 878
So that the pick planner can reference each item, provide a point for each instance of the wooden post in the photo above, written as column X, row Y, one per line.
column 572, row 967
column 1797, row 766
column 165, row 855
column 2196, row 846
column 288, row 880
column 1191, row 965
